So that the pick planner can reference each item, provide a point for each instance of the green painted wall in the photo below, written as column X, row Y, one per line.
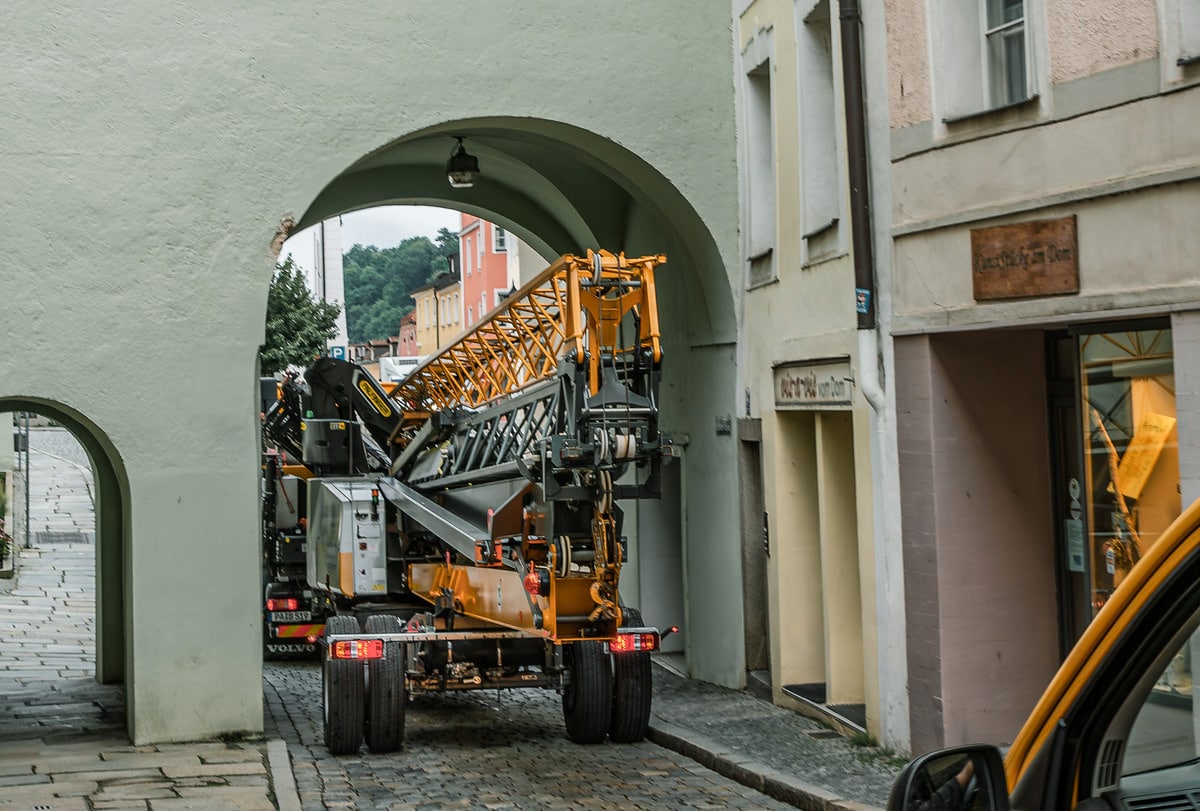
column 149, row 154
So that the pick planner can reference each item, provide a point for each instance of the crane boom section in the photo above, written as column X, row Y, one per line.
column 571, row 311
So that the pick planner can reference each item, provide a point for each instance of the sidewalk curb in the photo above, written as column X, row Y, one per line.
column 283, row 781
column 751, row 773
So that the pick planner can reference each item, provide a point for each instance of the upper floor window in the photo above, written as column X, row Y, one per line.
column 981, row 56
column 499, row 239
column 760, row 175
column 1005, row 35
column 820, row 177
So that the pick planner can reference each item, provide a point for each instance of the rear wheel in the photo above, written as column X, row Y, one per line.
column 587, row 701
column 386, row 690
column 343, row 693
column 632, row 689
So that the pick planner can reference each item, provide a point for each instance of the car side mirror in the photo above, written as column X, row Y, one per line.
column 955, row 779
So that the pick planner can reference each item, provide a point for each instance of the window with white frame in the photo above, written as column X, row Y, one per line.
column 1181, row 32
column 982, row 56
column 470, row 316
column 499, row 239
column 1004, row 32
column 467, row 257
column 820, row 179
column 760, row 175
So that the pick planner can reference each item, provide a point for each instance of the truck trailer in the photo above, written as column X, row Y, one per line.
column 463, row 531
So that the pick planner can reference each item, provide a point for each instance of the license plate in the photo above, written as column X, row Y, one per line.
column 290, row 616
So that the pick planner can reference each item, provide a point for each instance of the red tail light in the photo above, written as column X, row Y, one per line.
column 357, row 649
column 632, row 643
column 283, row 604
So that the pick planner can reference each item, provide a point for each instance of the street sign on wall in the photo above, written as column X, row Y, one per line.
column 816, row 384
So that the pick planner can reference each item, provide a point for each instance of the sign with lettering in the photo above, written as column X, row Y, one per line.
column 1025, row 260
column 820, row 384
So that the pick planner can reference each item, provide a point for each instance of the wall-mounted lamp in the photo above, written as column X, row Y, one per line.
column 462, row 169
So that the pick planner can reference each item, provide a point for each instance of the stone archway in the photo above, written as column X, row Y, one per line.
column 563, row 189
column 111, row 509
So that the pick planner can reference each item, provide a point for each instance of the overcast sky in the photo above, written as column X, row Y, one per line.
column 383, row 227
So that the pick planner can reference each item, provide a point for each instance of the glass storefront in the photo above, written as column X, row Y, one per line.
column 1117, row 469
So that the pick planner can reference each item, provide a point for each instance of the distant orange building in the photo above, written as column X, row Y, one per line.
column 488, row 272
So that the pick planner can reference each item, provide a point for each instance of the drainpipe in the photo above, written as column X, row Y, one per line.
column 856, row 146
column 850, row 17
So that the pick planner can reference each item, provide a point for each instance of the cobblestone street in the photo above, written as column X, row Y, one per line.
column 63, row 743
column 480, row 750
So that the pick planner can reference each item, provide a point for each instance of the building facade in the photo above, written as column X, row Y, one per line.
column 820, row 616
column 486, row 272
column 1040, row 204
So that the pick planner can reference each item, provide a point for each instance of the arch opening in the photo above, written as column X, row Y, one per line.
column 561, row 189
column 73, row 443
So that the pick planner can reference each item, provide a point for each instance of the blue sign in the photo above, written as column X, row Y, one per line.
column 338, row 352
column 862, row 300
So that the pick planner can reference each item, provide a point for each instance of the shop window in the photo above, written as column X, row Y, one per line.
column 1131, row 493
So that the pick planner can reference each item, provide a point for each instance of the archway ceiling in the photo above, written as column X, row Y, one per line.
column 556, row 198
column 558, row 188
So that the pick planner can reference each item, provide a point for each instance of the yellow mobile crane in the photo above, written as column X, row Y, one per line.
column 464, row 529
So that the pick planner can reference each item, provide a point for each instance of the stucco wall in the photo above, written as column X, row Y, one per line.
column 978, row 546
column 149, row 154
column 1089, row 36
column 909, row 90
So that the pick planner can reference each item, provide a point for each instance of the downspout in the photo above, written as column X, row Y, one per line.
column 850, row 17
column 891, row 641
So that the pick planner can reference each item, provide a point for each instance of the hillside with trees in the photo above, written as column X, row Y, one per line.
column 379, row 281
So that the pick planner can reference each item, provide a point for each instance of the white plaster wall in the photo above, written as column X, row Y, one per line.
column 1080, row 157
column 1136, row 251
column 909, row 88
column 149, row 154
column 1088, row 36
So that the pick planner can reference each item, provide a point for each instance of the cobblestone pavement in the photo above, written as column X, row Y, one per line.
column 489, row 751
column 63, row 744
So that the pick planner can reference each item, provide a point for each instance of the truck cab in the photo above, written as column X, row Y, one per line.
column 1118, row 727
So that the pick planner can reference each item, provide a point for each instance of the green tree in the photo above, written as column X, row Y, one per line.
column 379, row 282
column 297, row 325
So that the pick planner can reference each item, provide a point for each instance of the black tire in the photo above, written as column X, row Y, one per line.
column 633, row 689
column 587, row 701
column 386, row 689
column 342, row 693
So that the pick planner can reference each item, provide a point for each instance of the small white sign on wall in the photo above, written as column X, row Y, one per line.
column 815, row 384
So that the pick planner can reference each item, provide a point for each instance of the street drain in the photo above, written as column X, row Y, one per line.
column 822, row 734
column 62, row 537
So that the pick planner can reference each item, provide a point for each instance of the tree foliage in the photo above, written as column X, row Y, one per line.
column 379, row 282
column 298, row 326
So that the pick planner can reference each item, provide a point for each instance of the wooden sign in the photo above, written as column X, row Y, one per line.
column 1025, row 260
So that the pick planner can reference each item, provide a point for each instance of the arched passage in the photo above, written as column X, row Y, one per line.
column 111, row 509
column 563, row 189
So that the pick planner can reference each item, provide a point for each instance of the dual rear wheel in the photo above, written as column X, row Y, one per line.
column 364, row 701
column 608, row 694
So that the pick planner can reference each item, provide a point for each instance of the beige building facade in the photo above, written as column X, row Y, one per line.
column 1040, row 207
column 822, row 624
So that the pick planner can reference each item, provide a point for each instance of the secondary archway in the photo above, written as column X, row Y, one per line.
column 111, row 542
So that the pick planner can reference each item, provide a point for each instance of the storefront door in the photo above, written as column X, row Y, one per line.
column 1112, row 413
